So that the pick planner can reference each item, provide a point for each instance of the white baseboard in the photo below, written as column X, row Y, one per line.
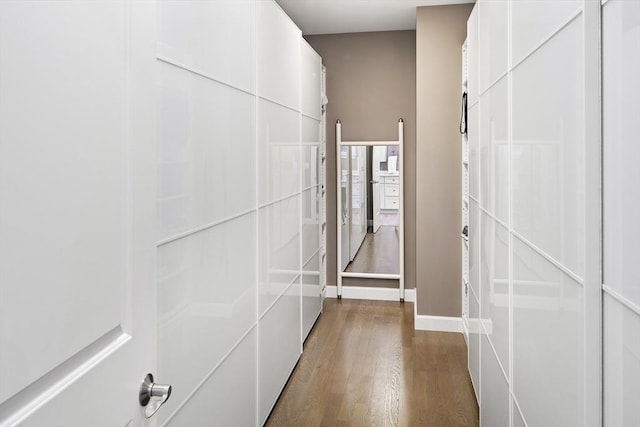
column 377, row 294
column 438, row 323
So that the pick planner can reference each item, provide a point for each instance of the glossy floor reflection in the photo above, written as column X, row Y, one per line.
column 379, row 253
column 364, row 365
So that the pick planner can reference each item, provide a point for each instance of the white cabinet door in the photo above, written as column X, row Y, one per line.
column 77, row 182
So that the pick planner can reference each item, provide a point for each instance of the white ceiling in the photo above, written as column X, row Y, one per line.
column 355, row 16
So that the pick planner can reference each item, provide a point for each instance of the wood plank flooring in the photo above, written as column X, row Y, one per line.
column 379, row 253
column 364, row 365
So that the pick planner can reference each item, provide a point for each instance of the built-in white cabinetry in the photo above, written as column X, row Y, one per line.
column 239, row 207
column 464, row 226
column 166, row 215
column 531, row 206
column 471, row 292
column 323, row 181
column 390, row 189
column 206, row 209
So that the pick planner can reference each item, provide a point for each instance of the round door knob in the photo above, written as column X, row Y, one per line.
column 152, row 396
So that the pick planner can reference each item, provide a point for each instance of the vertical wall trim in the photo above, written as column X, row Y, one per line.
column 593, row 340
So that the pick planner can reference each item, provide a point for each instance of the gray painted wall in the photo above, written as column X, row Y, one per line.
column 440, row 32
column 371, row 83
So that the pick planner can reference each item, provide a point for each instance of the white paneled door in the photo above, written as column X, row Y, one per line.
column 77, row 173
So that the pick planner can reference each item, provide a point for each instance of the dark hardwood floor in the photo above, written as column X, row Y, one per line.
column 364, row 365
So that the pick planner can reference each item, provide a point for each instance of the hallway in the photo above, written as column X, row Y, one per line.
column 365, row 365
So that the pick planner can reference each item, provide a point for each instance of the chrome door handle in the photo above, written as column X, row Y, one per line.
column 152, row 396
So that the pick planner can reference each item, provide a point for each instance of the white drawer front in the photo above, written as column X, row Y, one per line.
column 391, row 202
column 391, row 180
column 391, row 190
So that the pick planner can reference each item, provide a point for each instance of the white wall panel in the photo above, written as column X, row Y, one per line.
column 621, row 35
column 311, row 70
column 495, row 389
column 239, row 144
column 228, row 396
column 474, row 343
column 278, row 55
column 206, row 151
column 621, row 68
column 311, row 299
column 621, row 364
column 278, row 249
column 494, row 285
column 310, row 223
column 310, row 152
column 517, row 417
column 278, row 152
column 493, row 41
column 535, row 21
column 279, row 347
column 547, row 182
column 206, row 302
column 197, row 34
column 548, row 336
column 494, row 151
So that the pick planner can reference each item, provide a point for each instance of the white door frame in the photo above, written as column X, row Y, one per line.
column 399, row 143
